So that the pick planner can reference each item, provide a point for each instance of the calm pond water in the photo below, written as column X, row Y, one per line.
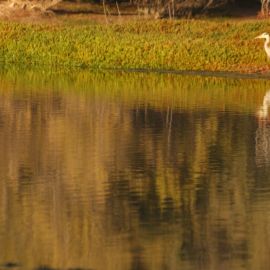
column 133, row 171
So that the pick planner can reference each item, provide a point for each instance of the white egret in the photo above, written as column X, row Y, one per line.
column 266, row 43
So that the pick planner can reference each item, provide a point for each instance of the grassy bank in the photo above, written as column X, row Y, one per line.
column 213, row 45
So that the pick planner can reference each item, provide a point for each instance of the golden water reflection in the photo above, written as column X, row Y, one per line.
column 132, row 171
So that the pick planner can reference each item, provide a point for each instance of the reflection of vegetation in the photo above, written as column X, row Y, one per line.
column 140, row 89
column 151, row 171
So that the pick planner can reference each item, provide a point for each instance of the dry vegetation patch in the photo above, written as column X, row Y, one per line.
column 30, row 9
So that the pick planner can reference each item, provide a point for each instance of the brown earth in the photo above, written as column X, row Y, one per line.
column 76, row 12
column 95, row 13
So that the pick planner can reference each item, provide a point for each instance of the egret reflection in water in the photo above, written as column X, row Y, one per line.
column 263, row 110
column 263, row 132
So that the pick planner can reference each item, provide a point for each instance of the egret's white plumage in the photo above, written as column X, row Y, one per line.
column 266, row 43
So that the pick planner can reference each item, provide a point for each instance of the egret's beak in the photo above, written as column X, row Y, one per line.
column 260, row 36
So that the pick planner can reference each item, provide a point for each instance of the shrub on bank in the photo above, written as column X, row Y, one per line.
column 213, row 45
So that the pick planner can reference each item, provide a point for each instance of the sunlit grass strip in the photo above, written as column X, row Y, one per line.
column 176, row 45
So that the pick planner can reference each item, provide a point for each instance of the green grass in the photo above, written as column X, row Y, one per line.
column 212, row 45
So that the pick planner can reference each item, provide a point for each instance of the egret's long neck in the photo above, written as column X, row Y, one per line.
column 267, row 40
column 266, row 46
